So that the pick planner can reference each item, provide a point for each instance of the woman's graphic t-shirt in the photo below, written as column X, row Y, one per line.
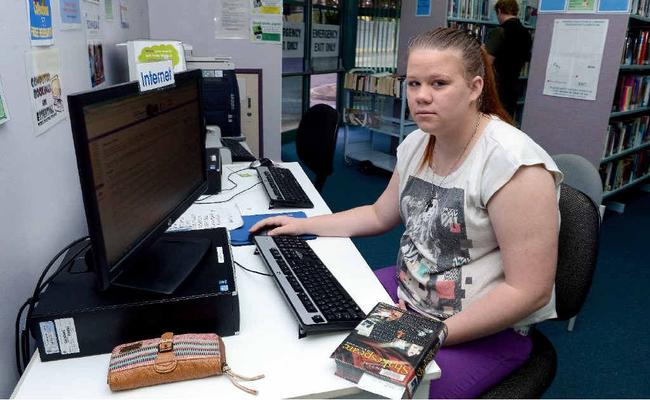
column 449, row 254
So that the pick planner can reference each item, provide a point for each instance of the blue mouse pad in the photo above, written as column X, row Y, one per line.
column 239, row 236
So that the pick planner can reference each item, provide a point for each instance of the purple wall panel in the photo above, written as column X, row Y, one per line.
column 410, row 25
column 562, row 125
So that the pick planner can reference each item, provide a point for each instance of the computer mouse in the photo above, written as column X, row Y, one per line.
column 262, row 162
column 261, row 232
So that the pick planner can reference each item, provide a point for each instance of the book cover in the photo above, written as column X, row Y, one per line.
column 392, row 344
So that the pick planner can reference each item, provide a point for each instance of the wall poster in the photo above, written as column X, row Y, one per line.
column 40, row 22
column 70, row 14
column 4, row 113
column 573, row 67
column 43, row 74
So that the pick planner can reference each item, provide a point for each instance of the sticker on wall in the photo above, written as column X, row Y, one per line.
column 43, row 75
column 70, row 14
column 4, row 113
column 40, row 22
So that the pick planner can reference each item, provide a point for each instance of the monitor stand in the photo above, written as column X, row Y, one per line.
column 165, row 265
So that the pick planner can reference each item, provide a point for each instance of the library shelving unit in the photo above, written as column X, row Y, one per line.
column 374, row 117
column 626, row 157
column 479, row 17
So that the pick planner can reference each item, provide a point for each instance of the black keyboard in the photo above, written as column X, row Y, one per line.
column 317, row 299
column 238, row 152
column 283, row 188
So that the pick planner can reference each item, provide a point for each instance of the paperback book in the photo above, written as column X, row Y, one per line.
column 391, row 344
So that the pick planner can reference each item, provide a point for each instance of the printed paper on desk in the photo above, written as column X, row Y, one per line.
column 208, row 216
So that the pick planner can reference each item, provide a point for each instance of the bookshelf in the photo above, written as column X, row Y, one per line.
column 374, row 117
column 625, row 161
column 479, row 17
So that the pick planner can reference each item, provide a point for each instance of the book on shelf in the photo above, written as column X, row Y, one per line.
column 381, row 82
column 482, row 10
column 617, row 173
column 635, row 50
column 626, row 134
column 632, row 92
column 393, row 345
column 479, row 31
column 640, row 8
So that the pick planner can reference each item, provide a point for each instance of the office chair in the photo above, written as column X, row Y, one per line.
column 577, row 253
column 580, row 174
column 316, row 141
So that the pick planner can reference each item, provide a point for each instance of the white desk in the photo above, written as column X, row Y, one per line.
column 268, row 341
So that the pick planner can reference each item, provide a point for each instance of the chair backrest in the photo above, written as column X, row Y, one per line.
column 577, row 251
column 316, row 139
column 580, row 174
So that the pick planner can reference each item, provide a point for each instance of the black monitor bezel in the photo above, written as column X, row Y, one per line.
column 107, row 274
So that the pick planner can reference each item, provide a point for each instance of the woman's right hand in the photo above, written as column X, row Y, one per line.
column 281, row 225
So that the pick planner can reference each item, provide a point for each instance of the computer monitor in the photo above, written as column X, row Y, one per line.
column 141, row 161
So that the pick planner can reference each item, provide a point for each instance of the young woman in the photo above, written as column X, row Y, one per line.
column 479, row 201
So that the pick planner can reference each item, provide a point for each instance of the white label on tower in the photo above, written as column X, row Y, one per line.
column 48, row 336
column 67, row 334
column 220, row 257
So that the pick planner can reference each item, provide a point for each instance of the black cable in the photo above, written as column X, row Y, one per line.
column 19, row 350
column 63, row 266
column 230, row 198
column 22, row 340
column 230, row 180
column 250, row 270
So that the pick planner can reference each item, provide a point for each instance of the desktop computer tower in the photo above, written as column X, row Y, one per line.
column 74, row 319
column 221, row 105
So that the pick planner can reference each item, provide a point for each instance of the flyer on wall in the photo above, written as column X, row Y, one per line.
column 70, row 14
column 266, row 29
column 268, row 7
column 40, row 22
column 92, row 22
column 231, row 19
column 574, row 60
column 124, row 14
column 108, row 8
column 43, row 78
column 4, row 113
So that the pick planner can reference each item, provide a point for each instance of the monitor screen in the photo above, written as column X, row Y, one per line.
column 141, row 165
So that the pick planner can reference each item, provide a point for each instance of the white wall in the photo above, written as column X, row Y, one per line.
column 40, row 201
column 193, row 22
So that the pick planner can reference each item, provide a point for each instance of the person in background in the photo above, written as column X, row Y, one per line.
column 508, row 47
column 476, row 252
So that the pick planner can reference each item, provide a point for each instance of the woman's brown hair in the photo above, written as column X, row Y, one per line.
column 475, row 63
